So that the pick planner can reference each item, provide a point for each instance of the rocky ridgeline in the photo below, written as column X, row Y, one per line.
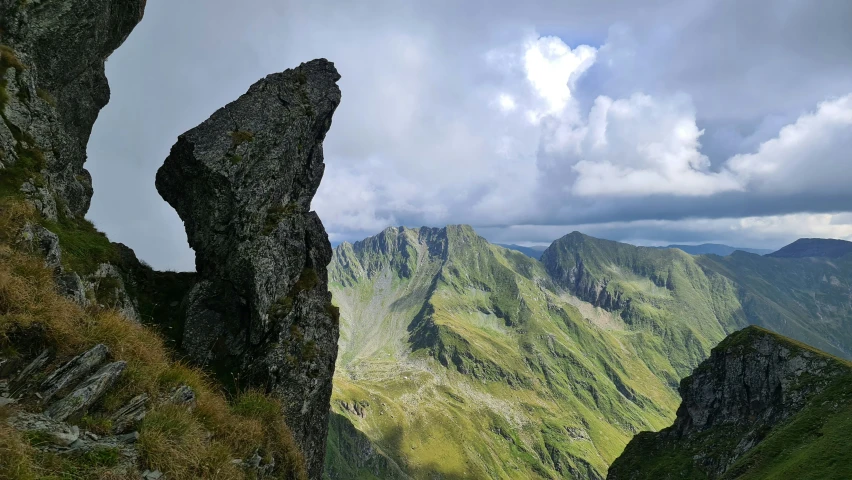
column 242, row 182
column 564, row 264
column 754, row 381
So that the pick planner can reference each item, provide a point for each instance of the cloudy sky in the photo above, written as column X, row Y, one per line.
column 680, row 121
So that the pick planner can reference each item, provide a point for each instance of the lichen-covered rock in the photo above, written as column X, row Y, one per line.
column 59, row 433
column 71, row 285
column 24, row 379
column 87, row 393
column 73, row 370
column 41, row 240
column 108, row 290
column 131, row 414
column 183, row 395
column 52, row 87
column 242, row 182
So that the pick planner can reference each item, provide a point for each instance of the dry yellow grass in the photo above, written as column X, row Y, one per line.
column 16, row 455
column 196, row 443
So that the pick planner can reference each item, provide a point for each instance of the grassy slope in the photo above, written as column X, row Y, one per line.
column 679, row 307
column 670, row 295
column 684, row 298
column 803, row 298
column 185, row 444
column 536, row 367
column 810, row 445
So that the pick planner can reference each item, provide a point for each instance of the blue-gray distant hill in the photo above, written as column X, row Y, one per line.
column 815, row 247
column 717, row 249
column 534, row 252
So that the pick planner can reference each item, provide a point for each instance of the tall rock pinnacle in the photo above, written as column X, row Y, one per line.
column 242, row 182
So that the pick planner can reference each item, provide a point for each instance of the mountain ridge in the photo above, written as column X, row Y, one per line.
column 425, row 307
column 747, row 412
column 442, row 333
column 814, row 247
column 717, row 249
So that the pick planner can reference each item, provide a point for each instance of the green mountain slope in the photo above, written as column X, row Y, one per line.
column 664, row 292
column 761, row 407
column 686, row 298
column 463, row 359
column 809, row 299
column 459, row 359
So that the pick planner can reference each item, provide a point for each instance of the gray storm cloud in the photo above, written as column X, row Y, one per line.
column 683, row 121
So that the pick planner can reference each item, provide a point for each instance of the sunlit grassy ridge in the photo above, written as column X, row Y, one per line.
column 489, row 364
column 473, row 366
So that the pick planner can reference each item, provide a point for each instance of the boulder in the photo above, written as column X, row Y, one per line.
column 38, row 239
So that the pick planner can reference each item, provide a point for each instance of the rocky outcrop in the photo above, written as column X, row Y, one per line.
column 104, row 287
column 242, row 182
column 52, row 430
column 52, row 87
column 753, row 382
column 564, row 262
column 87, row 392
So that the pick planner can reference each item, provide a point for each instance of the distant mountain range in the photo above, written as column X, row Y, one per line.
column 717, row 249
column 703, row 249
column 804, row 247
column 814, row 247
column 460, row 358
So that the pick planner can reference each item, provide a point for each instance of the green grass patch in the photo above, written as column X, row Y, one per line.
column 240, row 137
column 83, row 246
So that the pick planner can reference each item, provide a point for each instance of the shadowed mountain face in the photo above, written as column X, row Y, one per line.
column 762, row 406
column 815, row 247
column 466, row 359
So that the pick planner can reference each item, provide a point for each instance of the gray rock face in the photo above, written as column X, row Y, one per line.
column 242, row 182
column 41, row 240
column 72, row 371
column 183, row 395
column 107, row 285
column 71, row 286
column 87, row 392
column 53, row 87
column 60, row 433
column 753, row 381
column 126, row 418
column 752, row 386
